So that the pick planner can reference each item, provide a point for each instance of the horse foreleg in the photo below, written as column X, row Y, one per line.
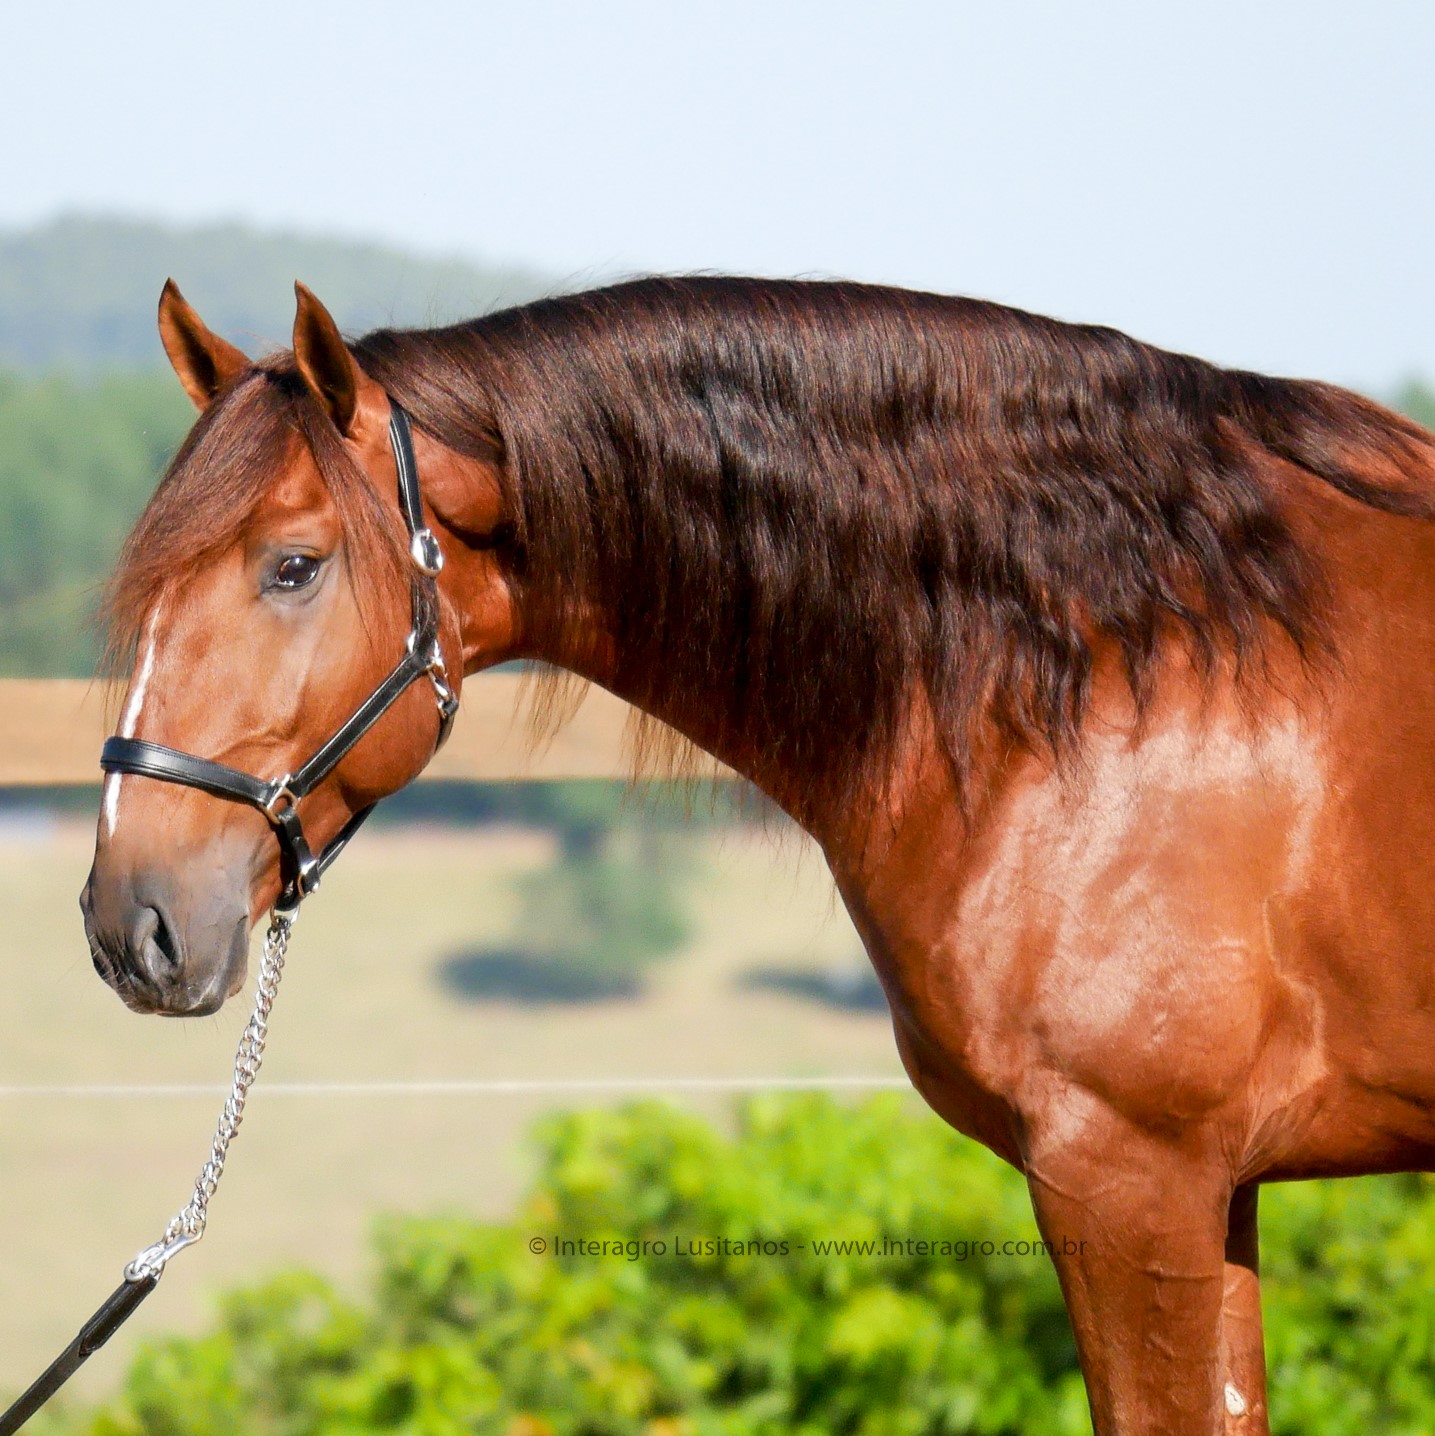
column 1137, row 1229
column 1243, row 1354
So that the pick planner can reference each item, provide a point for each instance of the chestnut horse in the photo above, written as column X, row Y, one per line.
column 1104, row 677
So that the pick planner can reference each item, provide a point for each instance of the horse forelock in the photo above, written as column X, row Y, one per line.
column 231, row 459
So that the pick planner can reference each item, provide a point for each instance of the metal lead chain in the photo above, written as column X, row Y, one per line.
column 187, row 1225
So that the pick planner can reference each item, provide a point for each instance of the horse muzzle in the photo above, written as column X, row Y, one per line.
column 161, row 950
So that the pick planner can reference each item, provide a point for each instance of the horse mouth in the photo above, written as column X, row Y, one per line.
column 172, row 999
column 146, row 1001
column 172, row 1004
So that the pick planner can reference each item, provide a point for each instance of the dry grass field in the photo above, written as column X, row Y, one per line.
column 86, row 1181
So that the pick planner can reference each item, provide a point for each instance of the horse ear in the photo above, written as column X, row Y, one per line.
column 203, row 361
column 329, row 369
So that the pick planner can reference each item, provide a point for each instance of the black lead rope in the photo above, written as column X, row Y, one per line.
column 300, row 871
column 96, row 1331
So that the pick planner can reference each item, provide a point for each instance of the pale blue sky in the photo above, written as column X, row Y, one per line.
column 1250, row 181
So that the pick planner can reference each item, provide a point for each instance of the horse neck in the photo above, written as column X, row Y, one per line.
column 593, row 658
column 860, row 838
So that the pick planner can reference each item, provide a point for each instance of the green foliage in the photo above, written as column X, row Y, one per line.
column 80, row 292
column 467, row 1328
column 78, row 460
column 1351, row 1313
column 1417, row 399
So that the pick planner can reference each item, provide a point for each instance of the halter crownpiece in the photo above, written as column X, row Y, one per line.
column 278, row 798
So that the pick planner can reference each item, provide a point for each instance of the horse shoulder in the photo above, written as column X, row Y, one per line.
column 1115, row 926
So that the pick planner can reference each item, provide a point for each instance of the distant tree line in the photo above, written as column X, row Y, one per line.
column 78, row 459
column 1418, row 401
column 89, row 415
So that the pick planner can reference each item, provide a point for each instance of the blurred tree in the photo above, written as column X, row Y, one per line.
column 608, row 907
column 610, row 904
column 1417, row 399
column 78, row 460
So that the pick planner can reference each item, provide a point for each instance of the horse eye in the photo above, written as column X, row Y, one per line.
column 296, row 571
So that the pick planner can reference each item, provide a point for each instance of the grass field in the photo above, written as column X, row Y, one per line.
column 85, row 1182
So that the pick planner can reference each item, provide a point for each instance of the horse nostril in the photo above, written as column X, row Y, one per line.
column 164, row 940
column 155, row 948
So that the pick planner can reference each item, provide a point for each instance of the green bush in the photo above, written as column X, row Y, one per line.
column 466, row 1329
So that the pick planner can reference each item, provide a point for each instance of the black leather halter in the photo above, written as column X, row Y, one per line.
column 279, row 798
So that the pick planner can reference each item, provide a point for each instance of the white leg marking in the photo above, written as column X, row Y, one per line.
column 1235, row 1402
column 129, row 720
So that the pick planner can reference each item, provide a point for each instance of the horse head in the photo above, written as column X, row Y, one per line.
column 267, row 594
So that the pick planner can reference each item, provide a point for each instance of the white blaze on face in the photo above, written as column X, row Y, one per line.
column 130, row 719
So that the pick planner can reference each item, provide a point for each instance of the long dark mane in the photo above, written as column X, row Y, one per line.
column 795, row 501
column 799, row 505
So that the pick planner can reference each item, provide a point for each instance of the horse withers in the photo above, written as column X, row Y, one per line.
column 1104, row 677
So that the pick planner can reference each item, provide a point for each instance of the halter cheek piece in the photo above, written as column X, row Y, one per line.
column 279, row 799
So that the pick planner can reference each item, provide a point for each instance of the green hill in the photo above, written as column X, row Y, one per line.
column 80, row 292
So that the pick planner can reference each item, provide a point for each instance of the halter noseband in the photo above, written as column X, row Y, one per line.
column 278, row 800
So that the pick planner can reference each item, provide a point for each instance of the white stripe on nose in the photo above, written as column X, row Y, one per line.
column 129, row 720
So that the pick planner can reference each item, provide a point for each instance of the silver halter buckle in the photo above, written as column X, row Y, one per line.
column 425, row 552
column 279, row 800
